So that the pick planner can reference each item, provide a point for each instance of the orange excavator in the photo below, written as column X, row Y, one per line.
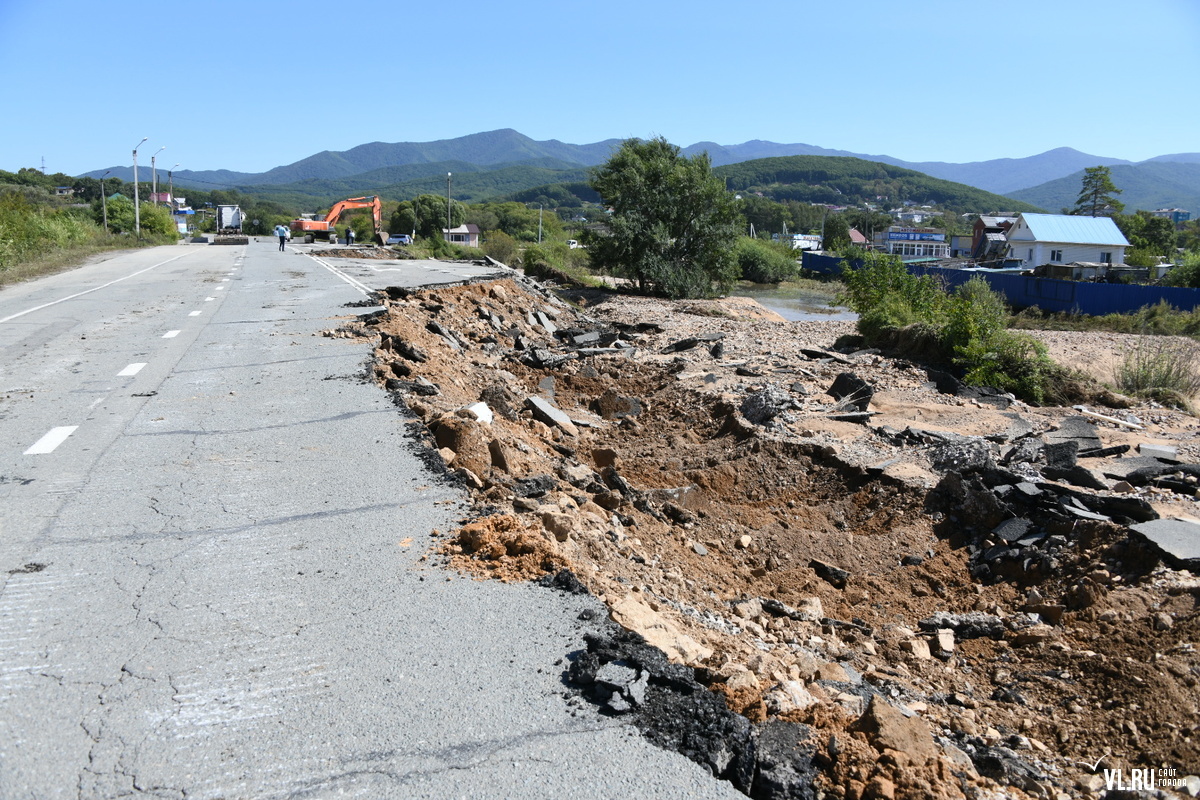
column 323, row 229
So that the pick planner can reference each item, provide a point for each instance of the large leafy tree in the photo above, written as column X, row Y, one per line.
column 673, row 225
column 430, row 216
column 1097, row 196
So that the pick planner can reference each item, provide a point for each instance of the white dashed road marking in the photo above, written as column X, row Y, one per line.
column 194, row 314
column 131, row 370
column 171, row 334
column 51, row 440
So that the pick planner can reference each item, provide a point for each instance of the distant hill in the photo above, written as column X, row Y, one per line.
column 854, row 181
column 1147, row 185
column 367, row 166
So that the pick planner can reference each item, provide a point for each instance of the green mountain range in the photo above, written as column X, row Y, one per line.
column 1147, row 185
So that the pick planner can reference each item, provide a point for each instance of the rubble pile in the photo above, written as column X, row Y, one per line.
column 855, row 583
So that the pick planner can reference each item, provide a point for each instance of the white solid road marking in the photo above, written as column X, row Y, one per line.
column 51, row 440
column 88, row 291
column 357, row 284
column 131, row 370
column 171, row 334
column 194, row 314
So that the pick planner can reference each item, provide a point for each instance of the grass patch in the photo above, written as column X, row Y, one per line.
column 1161, row 319
column 1160, row 369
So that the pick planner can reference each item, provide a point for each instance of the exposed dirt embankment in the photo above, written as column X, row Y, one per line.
column 938, row 591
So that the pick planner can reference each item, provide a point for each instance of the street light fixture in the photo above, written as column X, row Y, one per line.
column 154, row 174
column 137, row 204
column 104, row 199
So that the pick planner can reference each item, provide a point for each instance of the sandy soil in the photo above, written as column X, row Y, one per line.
column 713, row 499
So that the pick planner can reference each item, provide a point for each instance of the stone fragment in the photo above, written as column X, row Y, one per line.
column 888, row 729
column 789, row 696
column 558, row 524
column 547, row 412
column 743, row 542
column 943, row 641
column 918, row 647
column 1037, row 634
column 766, row 404
column 636, row 616
column 829, row 573
column 481, row 412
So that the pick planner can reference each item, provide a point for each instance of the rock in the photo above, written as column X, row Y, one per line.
column 535, row 486
column 918, row 647
column 658, row 632
column 788, row 696
column 829, row 573
column 810, row 610
column 742, row 679
column 973, row 625
column 558, row 524
column 879, row 788
column 1162, row 621
column 1036, row 634
column 831, row 671
column 481, row 412
column 550, row 414
column 943, row 641
column 447, row 455
column 699, row 549
column 402, row 348
column 888, row 729
column 851, row 391
column 766, row 404
column 743, row 542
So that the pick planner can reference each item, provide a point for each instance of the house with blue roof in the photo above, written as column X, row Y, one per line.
column 1038, row 239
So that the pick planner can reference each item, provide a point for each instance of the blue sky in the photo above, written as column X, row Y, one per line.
column 252, row 85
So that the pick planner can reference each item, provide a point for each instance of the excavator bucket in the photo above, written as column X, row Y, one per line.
column 381, row 237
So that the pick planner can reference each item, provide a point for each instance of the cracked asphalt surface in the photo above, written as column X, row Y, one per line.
column 212, row 586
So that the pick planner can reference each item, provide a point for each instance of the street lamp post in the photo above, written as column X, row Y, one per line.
column 154, row 175
column 539, row 223
column 137, row 204
column 447, row 206
column 104, row 199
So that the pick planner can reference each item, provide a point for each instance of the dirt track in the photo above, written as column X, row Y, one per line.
column 686, row 463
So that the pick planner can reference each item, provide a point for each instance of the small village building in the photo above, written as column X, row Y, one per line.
column 1037, row 239
column 858, row 240
column 913, row 243
column 989, row 235
column 1176, row 215
column 467, row 235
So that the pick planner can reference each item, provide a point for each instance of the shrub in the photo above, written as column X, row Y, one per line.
column 762, row 262
column 883, row 292
column 500, row 246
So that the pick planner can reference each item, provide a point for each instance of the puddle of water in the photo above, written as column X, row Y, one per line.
column 792, row 302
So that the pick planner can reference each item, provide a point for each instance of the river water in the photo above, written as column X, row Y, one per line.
column 792, row 302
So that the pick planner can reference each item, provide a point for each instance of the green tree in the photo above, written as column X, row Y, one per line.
column 837, row 233
column 673, row 226
column 1097, row 196
column 430, row 216
column 765, row 262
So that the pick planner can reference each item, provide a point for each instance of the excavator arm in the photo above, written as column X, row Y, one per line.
column 330, row 222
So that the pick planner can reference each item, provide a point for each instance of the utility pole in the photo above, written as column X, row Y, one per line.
column 104, row 200
column 137, row 203
column 447, row 206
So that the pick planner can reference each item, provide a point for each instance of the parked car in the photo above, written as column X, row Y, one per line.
column 400, row 238
column 571, row 243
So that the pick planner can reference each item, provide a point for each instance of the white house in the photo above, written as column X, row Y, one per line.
column 1038, row 239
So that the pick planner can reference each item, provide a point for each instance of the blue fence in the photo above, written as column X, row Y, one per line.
column 1022, row 291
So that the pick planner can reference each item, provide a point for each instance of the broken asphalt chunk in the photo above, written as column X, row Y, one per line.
column 1177, row 540
column 547, row 412
column 835, row 576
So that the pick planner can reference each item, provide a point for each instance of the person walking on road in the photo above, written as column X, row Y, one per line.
column 282, row 233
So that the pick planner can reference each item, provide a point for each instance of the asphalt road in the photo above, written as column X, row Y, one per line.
column 211, row 585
